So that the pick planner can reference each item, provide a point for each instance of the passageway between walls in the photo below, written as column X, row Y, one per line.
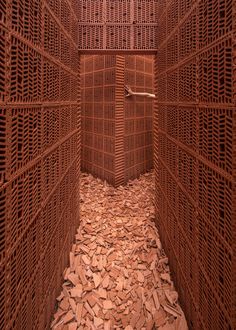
column 118, row 277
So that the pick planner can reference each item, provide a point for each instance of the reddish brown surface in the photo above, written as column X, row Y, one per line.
column 123, row 26
column 194, row 156
column 39, row 91
column 138, row 135
column 98, row 75
column 194, row 148
column 117, row 141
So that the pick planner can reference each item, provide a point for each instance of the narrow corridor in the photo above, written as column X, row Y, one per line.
column 64, row 110
column 119, row 276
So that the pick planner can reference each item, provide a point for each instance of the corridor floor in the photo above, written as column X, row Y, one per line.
column 118, row 276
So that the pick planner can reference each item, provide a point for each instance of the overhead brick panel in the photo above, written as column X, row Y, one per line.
column 109, row 25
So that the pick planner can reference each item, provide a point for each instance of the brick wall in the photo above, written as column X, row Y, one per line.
column 39, row 115
column 194, row 132
column 138, row 135
column 117, row 141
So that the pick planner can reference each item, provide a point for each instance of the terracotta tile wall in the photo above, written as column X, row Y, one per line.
column 39, row 161
column 194, row 155
column 117, row 132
